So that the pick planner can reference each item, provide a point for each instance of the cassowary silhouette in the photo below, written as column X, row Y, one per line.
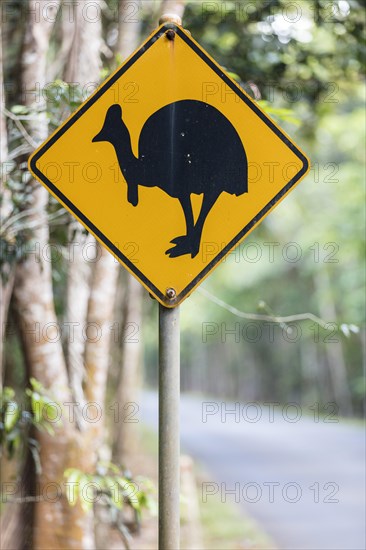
column 185, row 147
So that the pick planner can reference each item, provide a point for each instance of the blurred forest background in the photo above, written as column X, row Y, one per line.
column 77, row 329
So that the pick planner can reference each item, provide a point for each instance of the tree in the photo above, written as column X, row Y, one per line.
column 7, row 275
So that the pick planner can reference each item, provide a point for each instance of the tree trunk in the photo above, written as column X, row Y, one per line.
column 333, row 349
column 128, row 28
column 83, row 61
column 7, row 272
column 56, row 524
column 78, row 293
column 97, row 358
column 83, row 66
column 100, row 312
column 128, row 391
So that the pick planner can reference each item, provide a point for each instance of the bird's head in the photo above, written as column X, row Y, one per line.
column 111, row 123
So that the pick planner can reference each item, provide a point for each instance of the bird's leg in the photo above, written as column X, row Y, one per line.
column 132, row 194
column 182, row 243
column 190, row 244
column 207, row 204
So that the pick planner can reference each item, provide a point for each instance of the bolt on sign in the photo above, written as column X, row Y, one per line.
column 168, row 159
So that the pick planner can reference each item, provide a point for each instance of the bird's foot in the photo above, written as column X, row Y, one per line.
column 179, row 240
column 183, row 245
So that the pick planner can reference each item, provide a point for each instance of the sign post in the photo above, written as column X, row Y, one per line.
column 169, row 407
column 169, row 441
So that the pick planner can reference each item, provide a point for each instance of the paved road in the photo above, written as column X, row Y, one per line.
column 303, row 481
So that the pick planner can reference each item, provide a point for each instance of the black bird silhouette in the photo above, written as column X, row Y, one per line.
column 185, row 147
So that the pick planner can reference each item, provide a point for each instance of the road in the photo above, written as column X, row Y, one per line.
column 303, row 481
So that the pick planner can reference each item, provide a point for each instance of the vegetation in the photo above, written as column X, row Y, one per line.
column 224, row 528
column 305, row 63
column 17, row 419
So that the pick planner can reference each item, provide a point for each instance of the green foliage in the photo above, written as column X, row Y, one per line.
column 116, row 486
column 304, row 47
column 309, row 76
column 18, row 416
column 42, row 408
column 60, row 100
column 281, row 114
column 114, row 489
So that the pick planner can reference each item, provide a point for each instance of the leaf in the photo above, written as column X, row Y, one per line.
column 11, row 416
column 286, row 115
column 345, row 329
column 123, row 484
column 36, row 407
column 8, row 393
column 116, row 493
column 84, row 493
column 19, row 110
column 73, row 476
column 131, row 491
column 234, row 76
column 36, row 386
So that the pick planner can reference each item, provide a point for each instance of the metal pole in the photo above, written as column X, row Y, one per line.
column 169, row 401
column 169, row 437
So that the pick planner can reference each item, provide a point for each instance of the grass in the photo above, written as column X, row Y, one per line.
column 225, row 527
column 221, row 524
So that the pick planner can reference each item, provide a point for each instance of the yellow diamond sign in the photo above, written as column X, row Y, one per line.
column 168, row 161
